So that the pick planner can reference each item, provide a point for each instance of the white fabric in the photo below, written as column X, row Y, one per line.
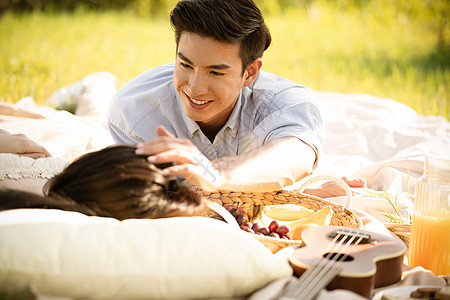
column 88, row 97
column 368, row 135
column 73, row 255
column 381, row 140
column 15, row 167
column 24, row 173
column 63, row 134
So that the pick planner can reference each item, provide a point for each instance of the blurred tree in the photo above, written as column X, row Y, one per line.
column 434, row 14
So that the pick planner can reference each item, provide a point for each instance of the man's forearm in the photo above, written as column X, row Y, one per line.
column 277, row 164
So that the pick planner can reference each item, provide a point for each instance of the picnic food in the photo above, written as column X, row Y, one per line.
column 284, row 213
column 322, row 217
column 296, row 234
column 286, row 221
column 296, row 218
column 274, row 229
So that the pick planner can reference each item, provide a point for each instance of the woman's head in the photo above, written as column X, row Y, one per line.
column 115, row 182
column 237, row 22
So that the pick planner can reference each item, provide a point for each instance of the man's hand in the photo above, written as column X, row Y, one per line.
column 189, row 161
column 333, row 189
column 21, row 145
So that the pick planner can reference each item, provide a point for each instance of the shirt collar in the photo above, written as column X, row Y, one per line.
column 233, row 120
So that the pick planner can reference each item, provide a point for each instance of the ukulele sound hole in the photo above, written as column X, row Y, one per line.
column 337, row 256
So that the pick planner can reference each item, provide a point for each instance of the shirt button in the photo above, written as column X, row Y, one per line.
column 210, row 153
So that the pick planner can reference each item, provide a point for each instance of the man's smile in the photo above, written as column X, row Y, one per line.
column 197, row 101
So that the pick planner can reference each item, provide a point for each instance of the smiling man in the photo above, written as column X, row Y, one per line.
column 221, row 120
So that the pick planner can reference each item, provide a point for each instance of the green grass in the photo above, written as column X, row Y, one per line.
column 41, row 53
column 387, row 54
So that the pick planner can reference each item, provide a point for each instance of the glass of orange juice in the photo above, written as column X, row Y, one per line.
column 429, row 246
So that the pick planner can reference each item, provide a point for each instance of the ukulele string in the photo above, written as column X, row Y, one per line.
column 328, row 271
column 312, row 284
column 328, row 268
column 305, row 278
column 331, row 271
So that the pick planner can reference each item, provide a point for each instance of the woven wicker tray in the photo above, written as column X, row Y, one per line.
column 342, row 216
column 403, row 231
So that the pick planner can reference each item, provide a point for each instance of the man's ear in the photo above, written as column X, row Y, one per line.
column 252, row 71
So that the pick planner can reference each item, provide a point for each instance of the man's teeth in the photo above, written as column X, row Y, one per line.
column 199, row 102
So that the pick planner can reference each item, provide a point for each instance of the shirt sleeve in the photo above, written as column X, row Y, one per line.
column 120, row 122
column 135, row 110
column 120, row 137
column 301, row 120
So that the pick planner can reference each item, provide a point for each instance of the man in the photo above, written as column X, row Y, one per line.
column 223, row 122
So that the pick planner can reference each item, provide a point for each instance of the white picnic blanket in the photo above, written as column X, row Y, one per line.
column 379, row 139
column 63, row 134
column 367, row 135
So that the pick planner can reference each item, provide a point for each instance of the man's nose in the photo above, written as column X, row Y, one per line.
column 198, row 84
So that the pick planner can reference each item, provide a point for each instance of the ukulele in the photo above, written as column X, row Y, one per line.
column 344, row 258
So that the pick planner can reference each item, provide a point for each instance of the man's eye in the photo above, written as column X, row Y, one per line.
column 185, row 65
column 217, row 73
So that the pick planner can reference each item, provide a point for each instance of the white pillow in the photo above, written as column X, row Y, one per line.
column 69, row 254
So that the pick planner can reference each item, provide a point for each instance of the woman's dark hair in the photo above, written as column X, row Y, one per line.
column 115, row 182
column 112, row 182
column 12, row 199
column 238, row 22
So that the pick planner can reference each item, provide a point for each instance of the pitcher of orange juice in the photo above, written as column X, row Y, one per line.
column 429, row 246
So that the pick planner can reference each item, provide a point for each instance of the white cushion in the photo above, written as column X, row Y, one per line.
column 69, row 254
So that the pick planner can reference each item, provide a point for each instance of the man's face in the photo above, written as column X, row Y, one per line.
column 208, row 77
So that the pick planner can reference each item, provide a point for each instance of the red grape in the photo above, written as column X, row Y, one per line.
column 263, row 230
column 273, row 226
column 274, row 229
column 282, row 230
column 274, row 234
column 256, row 226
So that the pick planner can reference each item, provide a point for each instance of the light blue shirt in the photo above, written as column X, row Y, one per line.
column 271, row 108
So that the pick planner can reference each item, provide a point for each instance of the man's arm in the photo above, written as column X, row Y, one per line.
column 273, row 166
column 277, row 164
